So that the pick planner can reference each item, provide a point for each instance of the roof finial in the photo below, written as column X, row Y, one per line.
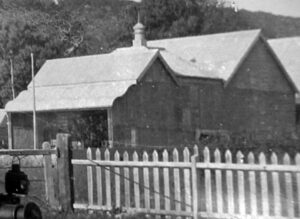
column 138, row 16
column 139, row 33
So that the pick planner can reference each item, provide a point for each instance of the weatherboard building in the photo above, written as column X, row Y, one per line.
column 161, row 93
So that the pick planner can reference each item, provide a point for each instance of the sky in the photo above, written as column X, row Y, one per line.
column 279, row 7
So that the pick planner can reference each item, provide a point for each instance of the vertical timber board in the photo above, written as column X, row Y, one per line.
column 64, row 177
column 264, row 186
column 219, row 191
column 241, row 184
column 89, row 172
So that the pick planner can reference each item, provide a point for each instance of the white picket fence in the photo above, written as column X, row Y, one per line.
column 200, row 186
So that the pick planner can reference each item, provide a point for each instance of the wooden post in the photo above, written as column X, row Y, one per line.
column 110, row 126
column 64, row 176
column 49, row 178
column 10, row 131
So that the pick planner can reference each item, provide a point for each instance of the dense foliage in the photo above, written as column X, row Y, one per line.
column 80, row 27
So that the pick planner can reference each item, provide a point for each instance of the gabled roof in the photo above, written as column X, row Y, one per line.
column 84, row 82
column 218, row 53
column 95, row 81
column 288, row 52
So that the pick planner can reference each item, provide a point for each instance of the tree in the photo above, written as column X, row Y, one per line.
column 23, row 38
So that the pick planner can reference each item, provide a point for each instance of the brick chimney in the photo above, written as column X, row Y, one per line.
column 139, row 35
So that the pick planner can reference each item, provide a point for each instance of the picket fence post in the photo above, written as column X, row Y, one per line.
column 126, row 181
column 90, row 178
column 219, row 190
column 99, row 179
column 207, row 178
column 229, row 181
column 107, row 180
column 288, row 187
column 117, row 181
column 241, row 184
column 177, row 188
column 264, row 186
column 276, row 187
column 194, row 185
column 146, row 182
column 156, row 183
column 252, row 182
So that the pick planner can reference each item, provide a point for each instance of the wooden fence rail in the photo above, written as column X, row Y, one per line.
column 180, row 184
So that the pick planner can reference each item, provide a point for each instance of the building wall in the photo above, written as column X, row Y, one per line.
column 157, row 111
column 259, row 101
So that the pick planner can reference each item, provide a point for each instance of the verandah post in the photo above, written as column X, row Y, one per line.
column 64, row 174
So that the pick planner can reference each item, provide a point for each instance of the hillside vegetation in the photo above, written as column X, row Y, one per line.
column 81, row 27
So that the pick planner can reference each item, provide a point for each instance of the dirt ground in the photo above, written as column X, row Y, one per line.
column 91, row 215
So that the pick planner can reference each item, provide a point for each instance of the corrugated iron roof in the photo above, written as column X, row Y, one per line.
column 70, row 97
column 183, row 67
column 288, row 52
column 218, row 53
column 120, row 65
column 84, row 82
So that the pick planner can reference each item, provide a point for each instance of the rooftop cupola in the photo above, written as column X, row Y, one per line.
column 139, row 35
